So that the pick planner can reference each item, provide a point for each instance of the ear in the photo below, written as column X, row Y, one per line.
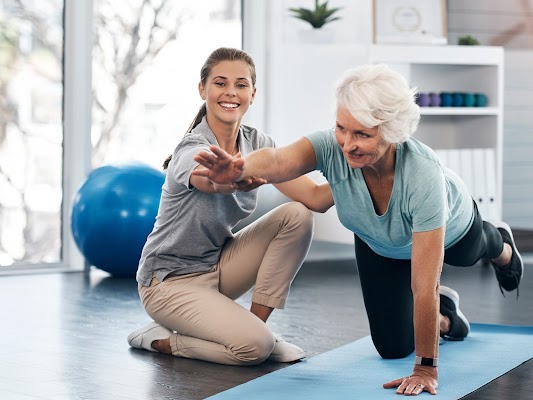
column 253, row 96
column 201, row 90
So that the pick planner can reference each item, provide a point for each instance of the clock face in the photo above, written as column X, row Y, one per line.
column 406, row 19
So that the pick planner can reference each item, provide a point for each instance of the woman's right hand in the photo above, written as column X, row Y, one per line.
column 219, row 166
column 249, row 183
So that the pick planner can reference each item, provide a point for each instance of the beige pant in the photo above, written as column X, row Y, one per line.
column 209, row 325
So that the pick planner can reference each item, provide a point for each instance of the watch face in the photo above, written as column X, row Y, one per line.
column 406, row 19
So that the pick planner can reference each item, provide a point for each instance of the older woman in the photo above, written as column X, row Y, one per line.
column 409, row 214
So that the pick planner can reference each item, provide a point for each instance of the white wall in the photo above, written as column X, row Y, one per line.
column 518, row 139
column 494, row 22
column 300, row 98
column 308, row 85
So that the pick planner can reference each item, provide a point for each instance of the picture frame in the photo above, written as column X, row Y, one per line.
column 410, row 22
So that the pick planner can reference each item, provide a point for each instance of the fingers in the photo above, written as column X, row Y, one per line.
column 208, row 155
column 220, row 153
column 238, row 163
column 411, row 386
column 210, row 160
column 393, row 384
column 249, row 183
column 201, row 172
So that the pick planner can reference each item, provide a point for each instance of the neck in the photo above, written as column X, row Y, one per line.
column 385, row 165
column 226, row 134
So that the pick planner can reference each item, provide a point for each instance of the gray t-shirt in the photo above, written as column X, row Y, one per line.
column 425, row 196
column 192, row 226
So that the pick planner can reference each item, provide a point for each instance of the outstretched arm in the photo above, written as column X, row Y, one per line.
column 275, row 165
column 282, row 166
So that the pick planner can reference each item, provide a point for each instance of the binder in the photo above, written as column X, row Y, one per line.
column 467, row 169
column 491, row 187
column 480, row 186
column 453, row 158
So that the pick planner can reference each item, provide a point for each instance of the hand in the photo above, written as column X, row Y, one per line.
column 419, row 381
column 249, row 183
column 220, row 166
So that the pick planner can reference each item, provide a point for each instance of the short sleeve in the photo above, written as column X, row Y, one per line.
column 323, row 144
column 183, row 163
column 428, row 200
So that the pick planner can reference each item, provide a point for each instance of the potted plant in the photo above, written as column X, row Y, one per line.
column 321, row 15
column 467, row 40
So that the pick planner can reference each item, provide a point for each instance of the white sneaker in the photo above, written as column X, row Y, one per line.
column 142, row 338
column 284, row 351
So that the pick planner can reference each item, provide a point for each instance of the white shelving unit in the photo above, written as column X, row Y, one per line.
column 459, row 134
column 300, row 99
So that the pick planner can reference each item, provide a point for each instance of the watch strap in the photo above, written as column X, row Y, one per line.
column 426, row 361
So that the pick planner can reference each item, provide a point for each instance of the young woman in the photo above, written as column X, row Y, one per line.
column 409, row 214
column 193, row 267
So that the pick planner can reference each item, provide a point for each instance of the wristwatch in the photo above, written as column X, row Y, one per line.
column 426, row 361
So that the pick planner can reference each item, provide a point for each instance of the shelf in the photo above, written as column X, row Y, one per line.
column 456, row 55
column 467, row 111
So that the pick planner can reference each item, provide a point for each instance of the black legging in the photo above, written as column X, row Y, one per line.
column 386, row 285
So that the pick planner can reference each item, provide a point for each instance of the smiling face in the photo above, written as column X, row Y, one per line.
column 361, row 146
column 228, row 92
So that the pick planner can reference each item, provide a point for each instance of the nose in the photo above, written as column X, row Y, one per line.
column 230, row 91
column 350, row 143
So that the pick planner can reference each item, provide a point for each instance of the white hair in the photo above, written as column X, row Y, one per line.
column 378, row 96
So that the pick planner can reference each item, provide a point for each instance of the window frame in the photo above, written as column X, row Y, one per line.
column 77, row 48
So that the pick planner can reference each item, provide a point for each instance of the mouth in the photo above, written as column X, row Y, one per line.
column 228, row 106
column 354, row 156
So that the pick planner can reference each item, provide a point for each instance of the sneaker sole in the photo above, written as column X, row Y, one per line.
column 454, row 296
column 503, row 225
column 286, row 359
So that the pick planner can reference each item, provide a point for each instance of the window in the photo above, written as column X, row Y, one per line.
column 147, row 55
column 31, row 134
column 146, row 68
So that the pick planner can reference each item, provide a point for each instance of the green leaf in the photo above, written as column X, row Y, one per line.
column 318, row 17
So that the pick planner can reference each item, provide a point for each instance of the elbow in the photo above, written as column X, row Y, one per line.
column 323, row 205
column 320, row 209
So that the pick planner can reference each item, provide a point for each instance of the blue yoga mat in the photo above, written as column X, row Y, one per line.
column 355, row 371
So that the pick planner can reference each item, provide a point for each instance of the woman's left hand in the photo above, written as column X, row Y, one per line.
column 414, row 384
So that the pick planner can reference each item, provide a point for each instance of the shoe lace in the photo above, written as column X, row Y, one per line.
column 510, row 274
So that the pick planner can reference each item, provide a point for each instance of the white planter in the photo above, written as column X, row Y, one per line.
column 317, row 36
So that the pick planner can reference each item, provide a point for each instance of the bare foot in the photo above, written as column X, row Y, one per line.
column 162, row 346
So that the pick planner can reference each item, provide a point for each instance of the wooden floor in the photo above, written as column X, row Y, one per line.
column 63, row 336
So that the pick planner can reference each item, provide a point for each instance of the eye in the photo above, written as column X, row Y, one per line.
column 362, row 134
column 339, row 128
column 219, row 83
column 242, row 85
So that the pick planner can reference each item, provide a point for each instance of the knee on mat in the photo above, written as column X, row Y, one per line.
column 390, row 353
column 389, row 348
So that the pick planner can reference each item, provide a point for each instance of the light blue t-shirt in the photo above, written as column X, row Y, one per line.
column 425, row 196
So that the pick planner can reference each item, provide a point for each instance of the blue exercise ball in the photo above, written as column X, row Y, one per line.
column 113, row 213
